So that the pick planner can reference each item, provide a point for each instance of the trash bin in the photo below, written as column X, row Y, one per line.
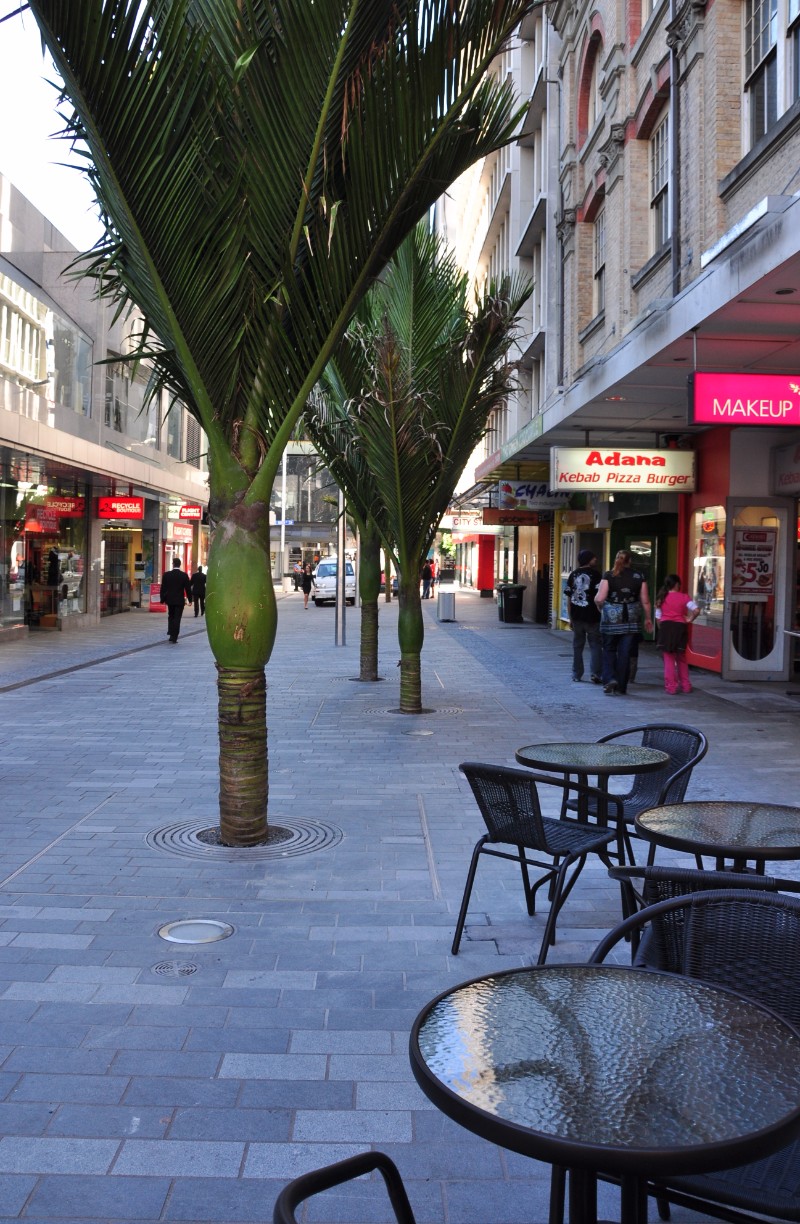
column 509, row 602
column 446, row 605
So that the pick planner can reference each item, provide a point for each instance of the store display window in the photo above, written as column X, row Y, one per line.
column 708, row 579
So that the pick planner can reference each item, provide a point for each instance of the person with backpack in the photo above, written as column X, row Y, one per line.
column 584, row 616
column 623, row 600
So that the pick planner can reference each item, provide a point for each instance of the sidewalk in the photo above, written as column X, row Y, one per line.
column 146, row 1081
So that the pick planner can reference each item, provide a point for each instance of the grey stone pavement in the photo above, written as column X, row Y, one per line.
column 146, row 1081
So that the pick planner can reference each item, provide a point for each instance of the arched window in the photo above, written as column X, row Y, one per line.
column 589, row 101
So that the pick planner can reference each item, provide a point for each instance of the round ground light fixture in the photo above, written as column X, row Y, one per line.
column 195, row 931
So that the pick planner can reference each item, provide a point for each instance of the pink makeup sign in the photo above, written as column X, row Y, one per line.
column 744, row 399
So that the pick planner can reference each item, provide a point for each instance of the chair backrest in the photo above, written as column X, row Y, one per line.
column 509, row 802
column 685, row 745
column 307, row 1184
column 748, row 941
column 662, row 948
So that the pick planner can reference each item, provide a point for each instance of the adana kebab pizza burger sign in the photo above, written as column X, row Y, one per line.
column 621, row 469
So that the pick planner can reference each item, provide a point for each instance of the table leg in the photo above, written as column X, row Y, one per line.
column 582, row 1197
column 634, row 1200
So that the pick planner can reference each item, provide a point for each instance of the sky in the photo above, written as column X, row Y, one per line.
column 29, row 156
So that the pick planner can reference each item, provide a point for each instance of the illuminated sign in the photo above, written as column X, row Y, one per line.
column 190, row 512
column 182, row 533
column 621, row 469
column 744, row 399
column 120, row 507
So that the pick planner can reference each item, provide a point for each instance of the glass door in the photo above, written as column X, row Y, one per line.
column 757, row 591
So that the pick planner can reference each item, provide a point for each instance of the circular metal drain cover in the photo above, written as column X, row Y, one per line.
column 189, row 840
column 416, row 714
column 195, row 931
column 177, row 969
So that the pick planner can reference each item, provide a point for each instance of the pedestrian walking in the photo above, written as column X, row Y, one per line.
column 426, row 580
column 675, row 611
column 199, row 591
column 307, row 582
column 584, row 616
column 623, row 600
column 176, row 589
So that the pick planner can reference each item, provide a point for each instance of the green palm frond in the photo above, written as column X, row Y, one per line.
column 258, row 164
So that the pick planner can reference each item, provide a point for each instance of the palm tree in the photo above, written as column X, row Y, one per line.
column 410, row 392
column 256, row 165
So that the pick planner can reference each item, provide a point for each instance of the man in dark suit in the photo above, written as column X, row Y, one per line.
column 199, row 591
column 176, row 588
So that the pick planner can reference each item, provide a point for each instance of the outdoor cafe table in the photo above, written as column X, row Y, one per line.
column 739, row 831
column 603, row 1069
column 598, row 760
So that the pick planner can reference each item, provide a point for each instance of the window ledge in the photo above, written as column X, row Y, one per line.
column 762, row 150
column 655, row 261
column 595, row 325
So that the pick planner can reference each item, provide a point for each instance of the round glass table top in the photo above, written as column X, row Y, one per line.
column 602, row 1067
column 592, row 758
column 752, row 830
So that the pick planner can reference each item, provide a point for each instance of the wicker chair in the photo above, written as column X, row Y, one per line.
column 643, row 886
column 686, row 747
column 750, row 942
column 308, row 1184
column 510, row 804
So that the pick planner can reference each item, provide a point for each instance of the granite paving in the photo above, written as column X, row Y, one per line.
column 147, row 1081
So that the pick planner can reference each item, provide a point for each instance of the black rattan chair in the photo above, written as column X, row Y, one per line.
column 308, row 1184
column 510, row 805
column 643, row 886
column 686, row 747
column 750, row 942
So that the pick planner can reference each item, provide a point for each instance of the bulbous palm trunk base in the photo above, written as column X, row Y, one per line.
column 410, row 683
column 369, row 641
column 243, row 772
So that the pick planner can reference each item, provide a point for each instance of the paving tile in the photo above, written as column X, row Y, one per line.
column 178, row 1158
column 34, row 1155
column 107, row 1198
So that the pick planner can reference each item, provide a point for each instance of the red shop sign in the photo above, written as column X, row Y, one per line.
column 190, row 512
column 120, row 507
column 744, row 399
column 181, row 533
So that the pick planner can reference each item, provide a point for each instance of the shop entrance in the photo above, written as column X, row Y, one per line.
column 115, row 581
column 756, row 613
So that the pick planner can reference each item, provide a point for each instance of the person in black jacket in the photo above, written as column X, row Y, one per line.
column 176, row 588
column 199, row 591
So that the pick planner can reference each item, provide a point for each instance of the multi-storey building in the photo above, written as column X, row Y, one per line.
column 96, row 495
column 675, row 217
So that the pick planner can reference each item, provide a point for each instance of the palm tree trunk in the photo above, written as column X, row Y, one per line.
column 410, row 633
column 369, row 585
column 242, row 618
column 387, row 584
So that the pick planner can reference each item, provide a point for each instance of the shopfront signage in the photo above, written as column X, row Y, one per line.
column 744, row 399
column 621, row 469
column 494, row 517
column 530, row 495
column 41, row 519
column 191, row 512
column 66, row 507
column 464, row 520
column 753, row 570
column 786, row 471
column 120, row 507
column 181, row 533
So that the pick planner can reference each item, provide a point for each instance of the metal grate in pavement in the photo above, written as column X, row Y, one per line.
column 190, row 839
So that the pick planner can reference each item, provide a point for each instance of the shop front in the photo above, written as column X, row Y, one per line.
column 740, row 528
column 120, row 542
column 44, row 532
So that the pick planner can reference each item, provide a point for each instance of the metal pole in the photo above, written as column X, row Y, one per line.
column 341, row 634
column 283, row 515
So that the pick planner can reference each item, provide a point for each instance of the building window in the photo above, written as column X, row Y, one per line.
column 761, row 65
column 589, row 98
column 600, row 262
column 659, row 184
column 794, row 40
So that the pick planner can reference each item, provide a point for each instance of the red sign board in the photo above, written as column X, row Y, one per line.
column 744, row 399
column 182, row 533
column 41, row 519
column 191, row 512
column 120, row 507
column 66, row 507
